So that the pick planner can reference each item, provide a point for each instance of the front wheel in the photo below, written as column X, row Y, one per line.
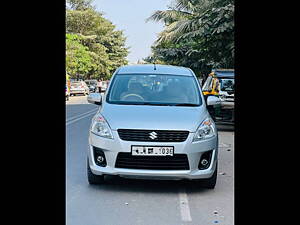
column 209, row 183
column 92, row 178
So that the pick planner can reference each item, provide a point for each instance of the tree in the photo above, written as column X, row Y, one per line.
column 116, row 49
column 87, row 22
column 197, row 34
column 80, row 4
column 105, row 44
column 78, row 58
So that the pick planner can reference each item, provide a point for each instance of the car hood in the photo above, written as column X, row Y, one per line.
column 153, row 117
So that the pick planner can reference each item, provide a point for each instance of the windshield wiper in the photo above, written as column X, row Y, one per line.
column 152, row 103
column 137, row 103
column 185, row 104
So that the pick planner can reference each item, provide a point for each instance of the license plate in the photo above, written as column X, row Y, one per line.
column 152, row 150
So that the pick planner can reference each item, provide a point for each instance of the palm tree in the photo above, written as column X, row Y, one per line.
column 190, row 18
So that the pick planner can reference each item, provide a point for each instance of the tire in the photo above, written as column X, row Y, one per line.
column 210, row 183
column 92, row 178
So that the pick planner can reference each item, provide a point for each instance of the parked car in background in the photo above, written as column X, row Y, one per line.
column 92, row 84
column 220, row 83
column 153, row 123
column 79, row 87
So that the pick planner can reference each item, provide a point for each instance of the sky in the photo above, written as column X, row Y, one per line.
column 130, row 16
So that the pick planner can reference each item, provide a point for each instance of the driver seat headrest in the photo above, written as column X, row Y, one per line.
column 135, row 86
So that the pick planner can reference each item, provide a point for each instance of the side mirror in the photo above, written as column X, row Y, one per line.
column 213, row 100
column 95, row 98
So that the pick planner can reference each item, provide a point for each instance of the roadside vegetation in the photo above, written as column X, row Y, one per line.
column 94, row 48
column 198, row 34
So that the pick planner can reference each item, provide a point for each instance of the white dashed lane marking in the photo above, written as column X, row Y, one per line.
column 81, row 116
column 184, row 206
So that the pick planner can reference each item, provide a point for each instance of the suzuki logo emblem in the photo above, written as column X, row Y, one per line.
column 153, row 135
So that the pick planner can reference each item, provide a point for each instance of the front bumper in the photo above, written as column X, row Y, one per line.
column 112, row 147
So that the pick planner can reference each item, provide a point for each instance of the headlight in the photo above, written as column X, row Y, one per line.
column 100, row 127
column 205, row 130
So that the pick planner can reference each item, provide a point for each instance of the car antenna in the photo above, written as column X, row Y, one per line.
column 154, row 66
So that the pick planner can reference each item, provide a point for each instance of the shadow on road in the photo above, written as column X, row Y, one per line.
column 115, row 183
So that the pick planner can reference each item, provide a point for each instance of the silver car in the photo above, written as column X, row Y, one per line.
column 79, row 87
column 153, row 124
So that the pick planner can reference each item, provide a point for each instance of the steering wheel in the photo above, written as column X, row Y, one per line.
column 135, row 95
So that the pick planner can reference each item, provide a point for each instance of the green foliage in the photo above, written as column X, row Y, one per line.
column 198, row 34
column 79, row 60
column 80, row 4
column 104, row 47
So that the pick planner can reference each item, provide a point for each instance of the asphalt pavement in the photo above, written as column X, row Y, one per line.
column 123, row 201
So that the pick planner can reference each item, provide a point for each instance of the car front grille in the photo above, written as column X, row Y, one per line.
column 176, row 162
column 153, row 135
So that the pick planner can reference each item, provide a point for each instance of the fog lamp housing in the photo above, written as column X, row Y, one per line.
column 99, row 157
column 205, row 160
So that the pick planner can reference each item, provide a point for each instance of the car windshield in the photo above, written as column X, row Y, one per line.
column 227, row 84
column 146, row 89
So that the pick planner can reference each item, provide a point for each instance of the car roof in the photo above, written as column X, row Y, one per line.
column 160, row 69
column 229, row 73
